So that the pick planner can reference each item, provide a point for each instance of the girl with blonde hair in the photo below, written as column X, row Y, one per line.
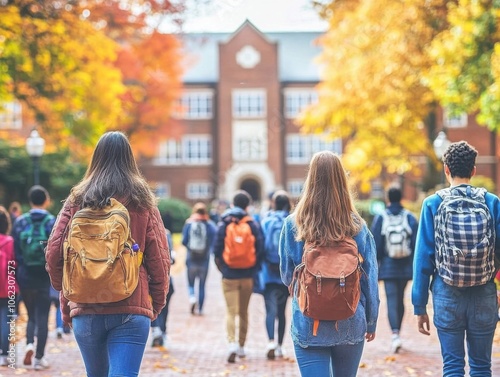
column 324, row 215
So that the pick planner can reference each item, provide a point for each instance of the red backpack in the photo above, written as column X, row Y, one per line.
column 328, row 281
column 239, row 244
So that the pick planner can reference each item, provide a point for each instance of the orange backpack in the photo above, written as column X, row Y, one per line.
column 328, row 281
column 239, row 244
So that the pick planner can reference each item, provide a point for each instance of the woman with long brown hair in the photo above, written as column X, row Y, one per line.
column 112, row 335
column 324, row 215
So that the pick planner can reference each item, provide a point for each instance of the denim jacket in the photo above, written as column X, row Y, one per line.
column 332, row 333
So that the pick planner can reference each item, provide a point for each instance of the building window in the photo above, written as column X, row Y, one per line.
column 169, row 152
column 162, row 190
column 250, row 149
column 11, row 115
column 249, row 103
column 195, row 105
column 297, row 100
column 197, row 149
column 199, row 190
column 300, row 148
column 295, row 187
column 455, row 121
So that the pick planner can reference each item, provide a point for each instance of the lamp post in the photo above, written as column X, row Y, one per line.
column 35, row 145
column 441, row 144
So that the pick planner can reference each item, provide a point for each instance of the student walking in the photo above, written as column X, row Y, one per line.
column 198, row 236
column 30, row 232
column 395, row 232
column 238, row 252
column 457, row 240
column 275, row 292
column 325, row 216
column 159, row 325
column 111, row 335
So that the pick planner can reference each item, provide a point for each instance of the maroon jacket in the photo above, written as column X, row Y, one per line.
column 149, row 297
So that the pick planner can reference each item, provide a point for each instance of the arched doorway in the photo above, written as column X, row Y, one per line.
column 252, row 186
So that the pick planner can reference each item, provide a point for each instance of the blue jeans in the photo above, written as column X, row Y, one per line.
column 395, row 293
column 112, row 345
column 37, row 303
column 336, row 361
column 197, row 270
column 465, row 313
column 275, row 297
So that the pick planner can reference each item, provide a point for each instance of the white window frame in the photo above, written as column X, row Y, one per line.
column 297, row 99
column 459, row 121
column 249, row 103
column 251, row 149
column 300, row 148
column 197, row 149
column 195, row 104
column 169, row 152
column 196, row 190
column 295, row 187
column 11, row 115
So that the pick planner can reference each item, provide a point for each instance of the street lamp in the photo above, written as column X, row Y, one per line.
column 35, row 145
column 440, row 145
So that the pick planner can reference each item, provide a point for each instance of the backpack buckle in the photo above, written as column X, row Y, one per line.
column 342, row 282
column 318, row 284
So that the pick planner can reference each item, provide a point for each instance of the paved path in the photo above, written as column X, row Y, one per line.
column 197, row 345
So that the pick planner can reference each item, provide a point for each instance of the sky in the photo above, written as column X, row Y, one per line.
column 266, row 15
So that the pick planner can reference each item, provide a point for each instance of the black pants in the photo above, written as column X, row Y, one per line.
column 37, row 302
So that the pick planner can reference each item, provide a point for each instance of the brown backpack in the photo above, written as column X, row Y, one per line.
column 328, row 281
column 101, row 260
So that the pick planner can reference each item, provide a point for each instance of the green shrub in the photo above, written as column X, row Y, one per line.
column 178, row 210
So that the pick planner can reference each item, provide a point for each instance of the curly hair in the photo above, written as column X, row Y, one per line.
column 460, row 158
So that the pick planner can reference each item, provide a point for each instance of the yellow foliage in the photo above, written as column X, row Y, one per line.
column 371, row 94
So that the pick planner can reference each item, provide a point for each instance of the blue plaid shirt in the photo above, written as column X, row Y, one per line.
column 424, row 266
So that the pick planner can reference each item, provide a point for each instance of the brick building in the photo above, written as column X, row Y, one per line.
column 241, row 94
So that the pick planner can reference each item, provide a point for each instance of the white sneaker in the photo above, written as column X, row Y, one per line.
column 396, row 344
column 278, row 352
column 40, row 364
column 233, row 349
column 3, row 361
column 30, row 349
column 271, row 350
column 241, row 352
column 192, row 303
column 157, row 336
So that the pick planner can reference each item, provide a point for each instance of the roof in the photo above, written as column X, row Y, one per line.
column 296, row 55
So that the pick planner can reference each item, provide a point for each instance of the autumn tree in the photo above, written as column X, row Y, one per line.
column 465, row 75
column 82, row 67
column 149, row 61
column 372, row 92
column 61, row 68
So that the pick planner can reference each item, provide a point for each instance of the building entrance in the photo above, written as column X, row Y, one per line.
column 253, row 188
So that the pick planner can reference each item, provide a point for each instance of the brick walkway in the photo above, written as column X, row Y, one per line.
column 197, row 345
